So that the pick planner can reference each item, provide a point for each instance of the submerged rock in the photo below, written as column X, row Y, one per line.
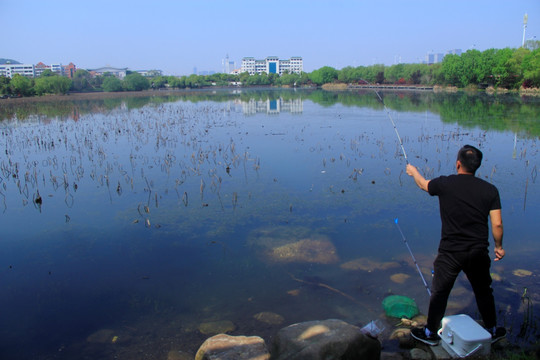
column 496, row 277
column 296, row 244
column 102, row 336
column 226, row 347
column 522, row 272
column 178, row 355
column 269, row 318
column 368, row 264
column 320, row 251
column 400, row 333
column 294, row 292
column 216, row 327
column 399, row 278
column 326, row 339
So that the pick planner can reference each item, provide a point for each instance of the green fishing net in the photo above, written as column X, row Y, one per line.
column 400, row 307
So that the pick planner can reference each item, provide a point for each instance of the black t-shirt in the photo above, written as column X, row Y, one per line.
column 465, row 202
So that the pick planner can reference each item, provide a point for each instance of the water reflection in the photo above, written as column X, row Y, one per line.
column 272, row 106
column 161, row 215
column 489, row 112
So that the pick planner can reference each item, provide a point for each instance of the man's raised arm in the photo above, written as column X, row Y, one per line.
column 418, row 178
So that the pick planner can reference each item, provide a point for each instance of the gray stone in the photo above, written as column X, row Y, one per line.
column 227, row 347
column 391, row 356
column 440, row 353
column 327, row 339
column 419, row 354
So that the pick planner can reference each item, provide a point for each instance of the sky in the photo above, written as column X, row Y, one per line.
column 178, row 36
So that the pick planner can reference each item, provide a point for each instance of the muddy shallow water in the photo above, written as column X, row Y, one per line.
column 137, row 226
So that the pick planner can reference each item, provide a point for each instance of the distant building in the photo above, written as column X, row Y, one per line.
column 432, row 58
column 228, row 65
column 8, row 70
column 118, row 72
column 454, row 52
column 40, row 67
column 30, row 70
column 272, row 65
column 439, row 57
column 206, row 72
column 69, row 70
column 149, row 73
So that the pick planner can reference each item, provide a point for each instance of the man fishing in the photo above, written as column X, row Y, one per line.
column 465, row 203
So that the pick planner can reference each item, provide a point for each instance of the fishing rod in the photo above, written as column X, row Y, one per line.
column 393, row 123
column 414, row 259
column 407, row 161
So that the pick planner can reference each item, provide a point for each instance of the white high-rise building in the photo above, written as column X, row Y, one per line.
column 8, row 70
column 272, row 65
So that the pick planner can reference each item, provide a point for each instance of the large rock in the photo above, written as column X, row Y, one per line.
column 326, row 339
column 227, row 347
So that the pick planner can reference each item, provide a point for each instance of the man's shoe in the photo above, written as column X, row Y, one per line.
column 500, row 333
column 420, row 335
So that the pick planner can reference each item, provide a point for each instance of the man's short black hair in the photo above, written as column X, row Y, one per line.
column 470, row 158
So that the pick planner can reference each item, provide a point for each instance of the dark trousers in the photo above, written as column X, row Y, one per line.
column 447, row 266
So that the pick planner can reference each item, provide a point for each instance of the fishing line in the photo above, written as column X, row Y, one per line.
column 414, row 259
column 395, row 127
column 393, row 123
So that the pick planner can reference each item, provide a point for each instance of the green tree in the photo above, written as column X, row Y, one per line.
column 81, row 81
column 304, row 78
column 375, row 74
column 471, row 68
column 531, row 69
column 159, row 82
column 347, row 75
column 416, row 77
column 324, row 75
column 515, row 70
column 290, row 79
column 500, row 74
column 176, row 82
column 52, row 84
column 135, row 82
column 41, row 86
column 243, row 77
column 21, row 85
column 394, row 73
column 4, row 85
column 273, row 78
column 452, row 68
column 195, row 81
column 47, row 72
column 112, row 84
column 60, row 84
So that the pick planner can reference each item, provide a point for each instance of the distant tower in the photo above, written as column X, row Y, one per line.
column 226, row 64
column 525, row 18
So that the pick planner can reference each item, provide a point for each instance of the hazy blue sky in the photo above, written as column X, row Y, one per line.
column 176, row 36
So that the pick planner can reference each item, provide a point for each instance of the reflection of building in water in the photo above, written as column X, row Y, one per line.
column 272, row 106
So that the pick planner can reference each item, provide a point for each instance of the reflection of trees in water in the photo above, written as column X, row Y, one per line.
column 489, row 112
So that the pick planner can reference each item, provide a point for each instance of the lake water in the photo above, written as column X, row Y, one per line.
column 132, row 227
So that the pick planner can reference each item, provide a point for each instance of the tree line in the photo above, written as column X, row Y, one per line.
column 501, row 68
